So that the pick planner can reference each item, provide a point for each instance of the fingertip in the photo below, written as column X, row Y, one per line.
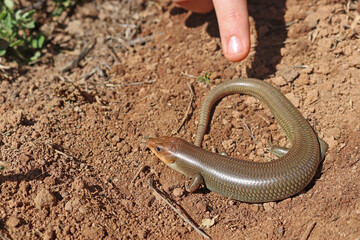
column 236, row 48
column 234, row 28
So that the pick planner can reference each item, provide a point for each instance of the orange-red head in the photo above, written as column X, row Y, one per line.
column 164, row 148
column 176, row 153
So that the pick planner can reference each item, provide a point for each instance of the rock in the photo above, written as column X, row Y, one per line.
column 142, row 233
column 289, row 74
column 126, row 149
column 308, row 70
column 331, row 141
column 279, row 81
column 286, row 89
column 201, row 207
column 93, row 232
column 142, row 92
column 324, row 44
column 312, row 96
column 44, row 199
column 293, row 99
column 334, row 132
column 13, row 222
column 312, row 20
column 273, row 127
column 88, row 10
column 24, row 188
column 49, row 234
column 73, row 204
column 82, row 209
column 228, row 144
column 254, row 207
column 236, row 114
column 210, row 46
column 302, row 80
column 323, row 69
column 68, row 206
column 326, row 86
column 127, row 203
column 75, row 28
column 178, row 192
column 269, row 206
column 354, row 60
column 78, row 184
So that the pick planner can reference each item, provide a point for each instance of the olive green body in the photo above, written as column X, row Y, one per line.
column 251, row 181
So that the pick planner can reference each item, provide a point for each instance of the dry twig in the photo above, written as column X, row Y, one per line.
column 114, row 53
column 124, row 43
column 141, row 168
column 151, row 184
column 308, row 231
column 60, row 152
column 140, row 40
column 247, row 128
column 187, row 110
column 80, row 57
column 138, row 83
column 188, row 75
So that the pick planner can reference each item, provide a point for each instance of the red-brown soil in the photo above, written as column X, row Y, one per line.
column 78, row 168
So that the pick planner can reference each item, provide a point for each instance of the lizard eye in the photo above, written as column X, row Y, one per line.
column 158, row 149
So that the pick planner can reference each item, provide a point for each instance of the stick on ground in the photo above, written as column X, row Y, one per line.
column 138, row 83
column 80, row 57
column 114, row 53
column 308, row 231
column 247, row 128
column 187, row 110
column 151, row 184
column 141, row 168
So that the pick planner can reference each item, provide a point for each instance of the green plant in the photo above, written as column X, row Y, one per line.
column 61, row 5
column 204, row 78
column 16, row 32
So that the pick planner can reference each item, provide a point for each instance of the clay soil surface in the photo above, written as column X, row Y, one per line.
column 73, row 139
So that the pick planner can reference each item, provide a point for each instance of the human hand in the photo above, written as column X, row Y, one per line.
column 233, row 18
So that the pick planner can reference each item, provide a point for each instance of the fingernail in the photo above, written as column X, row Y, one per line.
column 234, row 45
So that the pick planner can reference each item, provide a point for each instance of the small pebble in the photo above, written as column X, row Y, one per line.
column 289, row 74
column 82, row 210
column 68, row 206
column 269, row 206
column 236, row 114
column 78, row 184
column 273, row 127
column 279, row 81
column 178, row 192
column 13, row 222
column 312, row 96
column 49, row 234
column 302, row 80
column 335, row 132
column 228, row 144
column 293, row 99
column 332, row 142
column 44, row 198
column 201, row 207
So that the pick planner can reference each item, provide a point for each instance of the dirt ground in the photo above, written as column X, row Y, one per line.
column 73, row 139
